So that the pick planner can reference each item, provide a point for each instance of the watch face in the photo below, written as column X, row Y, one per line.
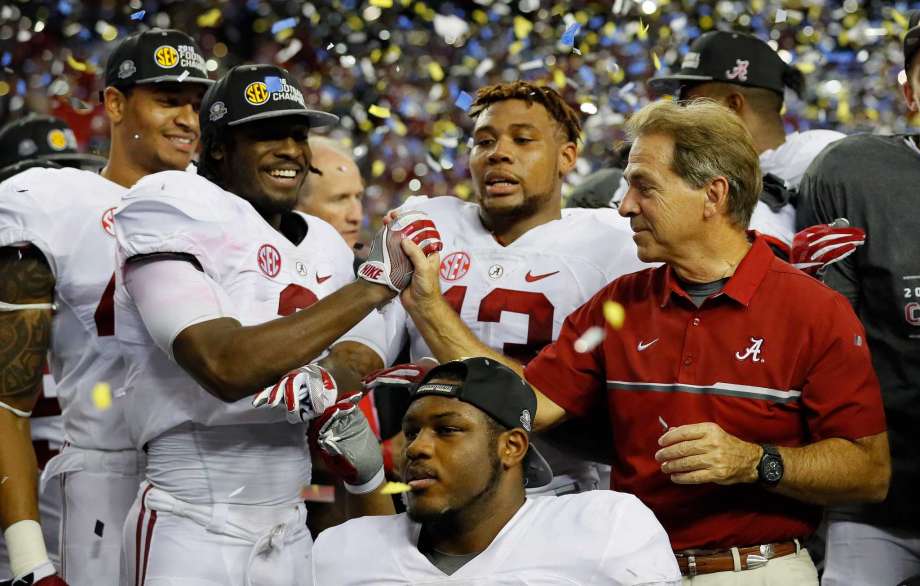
column 772, row 470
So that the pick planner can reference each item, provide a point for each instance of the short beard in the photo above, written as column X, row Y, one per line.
column 449, row 517
column 499, row 221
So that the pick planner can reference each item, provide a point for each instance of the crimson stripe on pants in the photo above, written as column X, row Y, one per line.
column 137, row 538
column 150, row 524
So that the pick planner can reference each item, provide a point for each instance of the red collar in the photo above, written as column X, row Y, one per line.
column 742, row 285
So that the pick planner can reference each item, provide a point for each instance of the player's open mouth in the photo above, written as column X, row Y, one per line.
column 498, row 183
column 283, row 176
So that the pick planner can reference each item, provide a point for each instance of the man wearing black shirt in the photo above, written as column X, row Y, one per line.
column 871, row 180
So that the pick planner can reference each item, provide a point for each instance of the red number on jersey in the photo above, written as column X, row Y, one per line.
column 295, row 297
column 535, row 305
column 105, row 311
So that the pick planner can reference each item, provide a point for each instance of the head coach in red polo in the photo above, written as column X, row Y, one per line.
column 740, row 391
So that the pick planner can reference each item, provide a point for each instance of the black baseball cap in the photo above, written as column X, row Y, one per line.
column 729, row 57
column 498, row 391
column 911, row 37
column 596, row 190
column 156, row 56
column 248, row 93
column 41, row 141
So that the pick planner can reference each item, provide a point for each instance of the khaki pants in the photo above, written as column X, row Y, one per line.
column 790, row 570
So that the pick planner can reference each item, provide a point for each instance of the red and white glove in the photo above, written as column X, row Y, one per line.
column 306, row 392
column 344, row 440
column 405, row 376
column 815, row 248
column 43, row 575
column 386, row 262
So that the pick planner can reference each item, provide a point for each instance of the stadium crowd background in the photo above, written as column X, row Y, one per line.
column 399, row 73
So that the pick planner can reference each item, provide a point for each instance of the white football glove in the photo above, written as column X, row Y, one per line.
column 386, row 262
column 307, row 392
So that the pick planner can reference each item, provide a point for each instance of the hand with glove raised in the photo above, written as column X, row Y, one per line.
column 344, row 440
column 306, row 391
column 815, row 248
column 401, row 376
column 386, row 262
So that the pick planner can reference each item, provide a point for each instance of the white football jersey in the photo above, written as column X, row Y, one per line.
column 514, row 298
column 598, row 537
column 67, row 214
column 261, row 276
column 788, row 161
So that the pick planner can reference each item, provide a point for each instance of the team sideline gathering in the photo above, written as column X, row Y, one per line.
column 241, row 348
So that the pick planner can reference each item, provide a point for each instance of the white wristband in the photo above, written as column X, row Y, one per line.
column 4, row 306
column 14, row 410
column 26, row 547
column 368, row 486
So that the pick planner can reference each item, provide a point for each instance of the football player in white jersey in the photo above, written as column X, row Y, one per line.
column 212, row 270
column 468, row 459
column 746, row 75
column 57, row 237
column 43, row 141
column 515, row 264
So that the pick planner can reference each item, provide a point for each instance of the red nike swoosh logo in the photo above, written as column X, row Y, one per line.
column 322, row 280
column 530, row 277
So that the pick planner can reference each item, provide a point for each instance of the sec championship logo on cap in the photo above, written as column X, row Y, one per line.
column 166, row 56
column 256, row 93
column 57, row 140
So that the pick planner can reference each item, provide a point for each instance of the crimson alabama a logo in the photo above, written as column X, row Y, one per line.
column 454, row 266
column 269, row 260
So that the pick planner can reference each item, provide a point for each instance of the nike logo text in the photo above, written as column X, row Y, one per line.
column 643, row 345
column 530, row 277
column 322, row 280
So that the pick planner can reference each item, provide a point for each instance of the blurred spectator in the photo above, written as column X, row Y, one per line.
column 334, row 189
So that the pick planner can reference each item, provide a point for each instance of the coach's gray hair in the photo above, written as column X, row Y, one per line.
column 709, row 141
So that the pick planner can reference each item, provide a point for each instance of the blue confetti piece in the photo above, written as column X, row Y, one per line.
column 283, row 25
column 273, row 83
column 139, row 15
column 64, row 7
column 464, row 101
column 568, row 38
column 21, row 87
column 7, row 59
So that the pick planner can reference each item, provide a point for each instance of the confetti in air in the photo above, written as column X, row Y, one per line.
column 395, row 488
column 656, row 61
column 76, row 64
column 464, row 101
column 236, row 492
column 568, row 37
column 589, row 340
column 379, row 111
column 184, row 75
column 209, row 19
column 663, row 423
column 614, row 314
column 273, row 83
column 282, row 25
column 139, row 15
column 102, row 396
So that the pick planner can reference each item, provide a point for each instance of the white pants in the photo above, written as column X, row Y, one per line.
column 858, row 554
column 98, row 488
column 49, row 513
column 168, row 542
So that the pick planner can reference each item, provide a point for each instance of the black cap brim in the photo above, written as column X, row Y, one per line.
column 78, row 158
column 173, row 78
column 316, row 118
column 672, row 83
column 537, row 471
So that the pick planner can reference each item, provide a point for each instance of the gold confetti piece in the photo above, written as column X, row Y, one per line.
column 379, row 111
column 614, row 314
column 559, row 78
column 435, row 71
column 378, row 167
column 522, row 27
column 900, row 19
column 656, row 61
column 381, row 3
column 395, row 488
column 642, row 33
column 102, row 396
column 76, row 64
column 209, row 18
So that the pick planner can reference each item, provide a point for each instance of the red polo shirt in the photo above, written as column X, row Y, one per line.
column 776, row 357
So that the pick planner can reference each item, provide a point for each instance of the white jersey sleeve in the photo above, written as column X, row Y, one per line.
column 23, row 210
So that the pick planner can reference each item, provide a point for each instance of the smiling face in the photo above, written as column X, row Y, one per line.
column 266, row 162
column 160, row 125
column 663, row 210
column 519, row 157
column 451, row 457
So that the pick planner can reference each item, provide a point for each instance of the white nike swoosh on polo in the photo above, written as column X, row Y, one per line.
column 643, row 345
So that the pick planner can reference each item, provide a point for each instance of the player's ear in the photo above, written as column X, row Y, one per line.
column 512, row 446
column 115, row 103
column 909, row 96
column 568, row 153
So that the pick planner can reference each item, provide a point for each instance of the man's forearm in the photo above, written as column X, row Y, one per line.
column 18, row 471
column 835, row 471
column 234, row 361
